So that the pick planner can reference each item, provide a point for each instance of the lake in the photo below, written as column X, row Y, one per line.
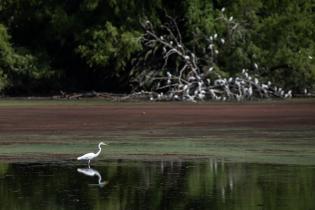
column 224, row 156
column 171, row 184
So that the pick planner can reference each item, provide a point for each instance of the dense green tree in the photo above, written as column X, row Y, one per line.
column 19, row 68
column 89, row 44
column 280, row 37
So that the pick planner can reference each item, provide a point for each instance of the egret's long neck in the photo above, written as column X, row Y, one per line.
column 99, row 149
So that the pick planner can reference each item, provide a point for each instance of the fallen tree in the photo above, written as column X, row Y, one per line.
column 194, row 76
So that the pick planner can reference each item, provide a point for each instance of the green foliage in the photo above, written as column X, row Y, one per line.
column 4, row 51
column 280, row 37
column 99, row 45
column 199, row 15
column 18, row 67
column 65, row 42
column 102, row 45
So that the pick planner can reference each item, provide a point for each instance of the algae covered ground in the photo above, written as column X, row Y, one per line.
column 261, row 132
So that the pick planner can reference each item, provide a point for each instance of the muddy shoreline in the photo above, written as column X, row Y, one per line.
column 59, row 125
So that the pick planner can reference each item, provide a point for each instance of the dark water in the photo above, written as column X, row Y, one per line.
column 118, row 185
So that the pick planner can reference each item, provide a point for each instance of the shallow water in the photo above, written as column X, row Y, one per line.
column 111, row 185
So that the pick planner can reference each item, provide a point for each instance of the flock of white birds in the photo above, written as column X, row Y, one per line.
column 192, row 82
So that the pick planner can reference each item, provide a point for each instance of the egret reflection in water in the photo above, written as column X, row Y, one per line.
column 93, row 172
column 166, row 184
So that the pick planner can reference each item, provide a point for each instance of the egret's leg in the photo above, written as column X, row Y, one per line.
column 89, row 163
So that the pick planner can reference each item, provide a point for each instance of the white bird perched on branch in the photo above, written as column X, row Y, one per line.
column 256, row 81
column 91, row 155
column 288, row 94
column 223, row 9
column 169, row 75
column 264, row 86
column 256, row 65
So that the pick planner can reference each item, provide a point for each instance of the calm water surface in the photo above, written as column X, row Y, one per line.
column 118, row 185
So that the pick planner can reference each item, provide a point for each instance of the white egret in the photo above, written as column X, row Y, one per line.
column 288, row 95
column 201, row 96
column 91, row 155
column 256, row 65
column 250, row 91
column 191, row 78
column 264, row 86
column 256, row 81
